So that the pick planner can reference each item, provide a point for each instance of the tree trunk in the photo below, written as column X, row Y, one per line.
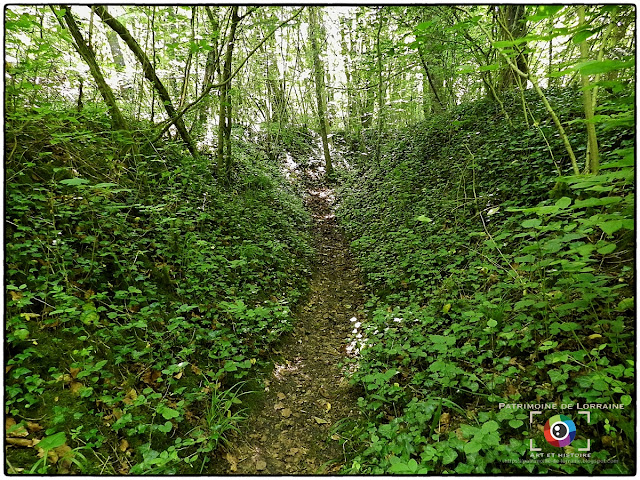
column 530, row 77
column 593, row 158
column 116, row 53
column 381, row 92
column 513, row 24
column 150, row 73
column 318, row 69
column 187, row 68
column 89, row 57
column 224, row 124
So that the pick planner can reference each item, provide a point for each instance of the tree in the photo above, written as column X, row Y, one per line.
column 512, row 25
column 318, row 69
column 88, row 55
column 593, row 157
column 150, row 73
column 224, row 122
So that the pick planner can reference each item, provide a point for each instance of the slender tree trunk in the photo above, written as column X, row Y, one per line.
column 153, row 52
column 513, row 23
column 536, row 86
column 381, row 91
column 187, row 68
column 88, row 55
column 593, row 158
column 318, row 68
column 150, row 73
column 116, row 53
column 224, row 124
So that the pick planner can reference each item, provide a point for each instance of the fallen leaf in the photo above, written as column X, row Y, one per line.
column 74, row 372
column 261, row 465
column 123, row 445
column 50, row 325
column 29, row 316
column 278, row 406
column 178, row 375
column 594, row 336
column 65, row 455
column 281, row 396
column 66, row 378
column 233, row 462
column 34, row 427
column 151, row 376
column 286, row 413
column 52, row 456
column 335, row 436
column 76, row 387
column 14, row 430
column 328, row 406
column 319, row 420
column 131, row 397
column 196, row 370
column 7, row 369
column 293, row 451
column 15, row 295
column 20, row 442
column 445, row 418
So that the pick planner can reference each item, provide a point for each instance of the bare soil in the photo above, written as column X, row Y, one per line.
column 290, row 433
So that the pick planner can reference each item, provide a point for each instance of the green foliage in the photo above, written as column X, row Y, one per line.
column 130, row 287
column 493, row 280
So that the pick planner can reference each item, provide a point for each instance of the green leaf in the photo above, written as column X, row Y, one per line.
column 611, row 226
column 593, row 67
column 515, row 423
column 448, row 456
column 74, row 181
column 545, row 11
column 424, row 25
column 607, row 248
column 166, row 428
column 597, row 202
column 21, row 334
column 582, row 36
column 531, row 223
column 473, row 446
column 422, row 218
column 488, row 68
column 491, row 323
column 625, row 400
column 490, row 426
column 625, row 304
column 53, row 441
column 564, row 202
column 167, row 412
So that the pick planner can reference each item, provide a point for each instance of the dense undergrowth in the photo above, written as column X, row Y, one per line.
column 142, row 295
column 494, row 280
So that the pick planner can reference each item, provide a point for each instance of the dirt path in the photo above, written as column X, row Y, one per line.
column 307, row 392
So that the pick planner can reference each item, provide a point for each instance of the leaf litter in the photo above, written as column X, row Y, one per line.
column 308, row 392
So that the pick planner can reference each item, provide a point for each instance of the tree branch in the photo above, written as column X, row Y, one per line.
column 206, row 91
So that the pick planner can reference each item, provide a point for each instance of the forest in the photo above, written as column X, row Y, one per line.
column 295, row 240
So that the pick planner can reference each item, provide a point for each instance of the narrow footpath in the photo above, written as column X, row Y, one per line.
column 307, row 392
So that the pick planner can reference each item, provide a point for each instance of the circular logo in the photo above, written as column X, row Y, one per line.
column 559, row 431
